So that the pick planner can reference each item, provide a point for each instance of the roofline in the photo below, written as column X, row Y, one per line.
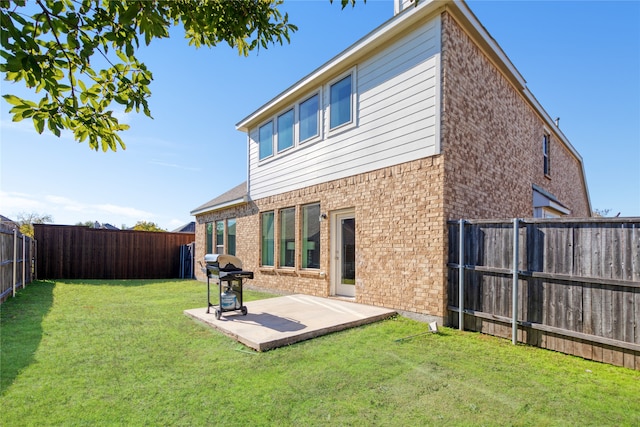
column 552, row 200
column 224, row 205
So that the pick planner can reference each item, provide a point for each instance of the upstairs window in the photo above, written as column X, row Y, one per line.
column 285, row 130
column 309, row 118
column 265, row 138
column 545, row 154
column 331, row 107
column 340, row 103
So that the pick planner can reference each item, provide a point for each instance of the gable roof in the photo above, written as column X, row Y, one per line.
column 187, row 228
column 104, row 226
column 5, row 219
column 237, row 195
column 7, row 223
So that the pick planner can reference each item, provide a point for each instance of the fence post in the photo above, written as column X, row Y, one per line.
column 24, row 261
column 516, row 259
column 15, row 260
column 461, row 277
column 34, row 260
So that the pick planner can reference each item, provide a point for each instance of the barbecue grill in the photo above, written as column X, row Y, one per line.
column 227, row 270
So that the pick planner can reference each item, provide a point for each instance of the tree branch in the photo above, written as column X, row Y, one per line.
column 64, row 52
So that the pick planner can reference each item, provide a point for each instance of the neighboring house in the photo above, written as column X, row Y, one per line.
column 355, row 169
column 7, row 223
column 104, row 226
column 187, row 228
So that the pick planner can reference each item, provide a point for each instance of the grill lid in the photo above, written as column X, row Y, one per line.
column 223, row 262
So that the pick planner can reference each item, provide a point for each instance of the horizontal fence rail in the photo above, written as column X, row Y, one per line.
column 566, row 285
column 17, row 253
column 76, row 252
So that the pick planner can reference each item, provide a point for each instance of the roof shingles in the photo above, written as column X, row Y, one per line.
column 237, row 193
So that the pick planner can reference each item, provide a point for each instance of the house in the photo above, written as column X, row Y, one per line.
column 104, row 226
column 186, row 228
column 355, row 169
column 7, row 223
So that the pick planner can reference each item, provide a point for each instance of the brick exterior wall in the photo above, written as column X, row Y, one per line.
column 400, row 235
column 492, row 140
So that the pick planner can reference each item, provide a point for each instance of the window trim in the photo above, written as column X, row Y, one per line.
column 293, row 130
column 305, row 241
column 352, row 105
column 318, row 134
column 323, row 118
column 282, row 251
column 268, row 122
column 208, row 237
column 216, row 235
column 273, row 239
column 227, row 236
column 279, row 251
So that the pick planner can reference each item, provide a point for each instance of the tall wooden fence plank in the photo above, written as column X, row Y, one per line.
column 579, row 281
column 75, row 252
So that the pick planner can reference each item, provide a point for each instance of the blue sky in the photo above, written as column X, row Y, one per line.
column 581, row 60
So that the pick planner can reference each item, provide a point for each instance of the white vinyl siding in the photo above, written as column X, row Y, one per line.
column 396, row 120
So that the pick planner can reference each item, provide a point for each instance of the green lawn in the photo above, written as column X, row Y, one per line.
column 104, row 353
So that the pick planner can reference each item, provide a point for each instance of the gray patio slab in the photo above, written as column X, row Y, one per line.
column 280, row 321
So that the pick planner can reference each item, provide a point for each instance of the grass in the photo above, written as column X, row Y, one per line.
column 123, row 353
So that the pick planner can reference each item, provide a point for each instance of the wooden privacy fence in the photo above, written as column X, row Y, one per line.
column 76, row 252
column 570, row 285
column 17, row 261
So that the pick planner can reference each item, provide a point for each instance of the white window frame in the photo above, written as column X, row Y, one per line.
column 276, row 130
column 271, row 247
column 319, row 126
column 327, row 102
column 284, row 250
column 273, row 151
column 306, row 245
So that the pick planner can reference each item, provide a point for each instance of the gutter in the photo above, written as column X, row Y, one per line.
column 241, row 201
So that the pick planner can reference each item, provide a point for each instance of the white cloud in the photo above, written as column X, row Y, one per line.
column 13, row 203
column 126, row 211
column 69, row 211
column 65, row 203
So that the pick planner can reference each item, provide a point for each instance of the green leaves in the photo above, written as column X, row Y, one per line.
column 51, row 46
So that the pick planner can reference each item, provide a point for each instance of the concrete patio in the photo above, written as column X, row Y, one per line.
column 280, row 321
